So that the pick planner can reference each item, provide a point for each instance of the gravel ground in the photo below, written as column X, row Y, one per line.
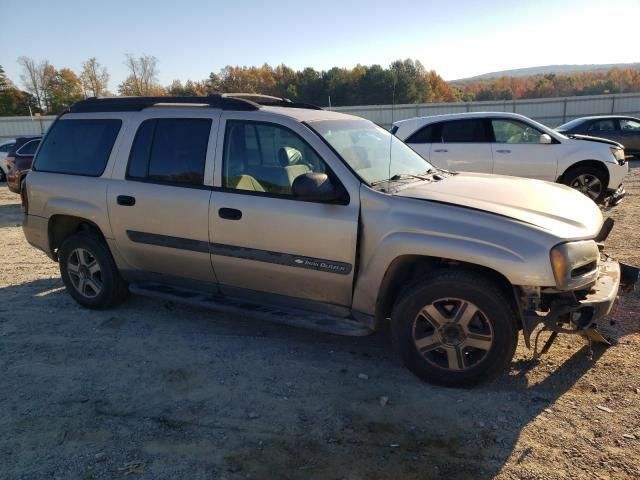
column 157, row 390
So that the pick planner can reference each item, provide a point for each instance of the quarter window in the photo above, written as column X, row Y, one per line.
column 464, row 131
column 266, row 158
column 627, row 125
column 170, row 150
column 513, row 131
column 78, row 147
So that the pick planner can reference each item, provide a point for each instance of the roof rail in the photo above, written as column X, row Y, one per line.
column 234, row 101
column 269, row 101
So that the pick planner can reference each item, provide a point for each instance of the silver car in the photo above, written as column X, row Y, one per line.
column 313, row 218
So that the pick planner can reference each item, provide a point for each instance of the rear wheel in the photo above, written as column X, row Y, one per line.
column 89, row 272
column 590, row 181
column 455, row 329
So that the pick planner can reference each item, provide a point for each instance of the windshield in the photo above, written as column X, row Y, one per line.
column 569, row 125
column 372, row 152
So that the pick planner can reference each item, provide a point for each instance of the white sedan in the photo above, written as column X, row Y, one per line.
column 4, row 149
column 511, row 144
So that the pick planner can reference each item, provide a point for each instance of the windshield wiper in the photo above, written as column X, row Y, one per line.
column 426, row 176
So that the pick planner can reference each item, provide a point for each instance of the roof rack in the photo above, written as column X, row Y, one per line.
column 269, row 101
column 230, row 101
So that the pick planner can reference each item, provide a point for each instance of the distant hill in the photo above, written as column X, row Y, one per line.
column 525, row 72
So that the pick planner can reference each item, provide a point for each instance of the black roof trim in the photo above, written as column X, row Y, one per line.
column 231, row 101
column 134, row 104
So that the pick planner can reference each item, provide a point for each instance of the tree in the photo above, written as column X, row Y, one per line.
column 143, row 77
column 4, row 81
column 65, row 89
column 37, row 79
column 95, row 79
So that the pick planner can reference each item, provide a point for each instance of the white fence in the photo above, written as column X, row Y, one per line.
column 550, row 111
column 12, row 127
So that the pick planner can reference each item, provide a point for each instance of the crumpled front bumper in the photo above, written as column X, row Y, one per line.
column 579, row 312
column 615, row 196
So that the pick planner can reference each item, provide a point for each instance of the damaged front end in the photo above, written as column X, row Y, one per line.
column 575, row 312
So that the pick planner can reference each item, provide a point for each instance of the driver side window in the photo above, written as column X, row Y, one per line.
column 513, row 131
column 262, row 157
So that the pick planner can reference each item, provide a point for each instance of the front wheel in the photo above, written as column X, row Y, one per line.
column 89, row 272
column 455, row 329
column 588, row 181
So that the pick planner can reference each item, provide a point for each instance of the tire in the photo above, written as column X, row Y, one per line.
column 462, row 350
column 584, row 179
column 89, row 272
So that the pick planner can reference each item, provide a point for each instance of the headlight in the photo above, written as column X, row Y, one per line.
column 574, row 264
column 618, row 154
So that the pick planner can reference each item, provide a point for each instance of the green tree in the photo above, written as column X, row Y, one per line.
column 65, row 88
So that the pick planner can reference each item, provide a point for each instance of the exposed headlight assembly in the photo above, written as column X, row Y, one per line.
column 574, row 264
column 618, row 154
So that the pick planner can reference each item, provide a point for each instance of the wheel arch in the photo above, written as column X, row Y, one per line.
column 407, row 270
column 597, row 164
column 61, row 227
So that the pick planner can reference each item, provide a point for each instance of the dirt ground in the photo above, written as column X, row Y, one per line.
column 156, row 390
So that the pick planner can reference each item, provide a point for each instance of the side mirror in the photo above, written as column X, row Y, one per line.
column 314, row 187
column 545, row 139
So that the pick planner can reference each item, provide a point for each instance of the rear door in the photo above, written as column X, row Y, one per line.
column 462, row 145
column 517, row 151
column 263, row 238
column 159, row 209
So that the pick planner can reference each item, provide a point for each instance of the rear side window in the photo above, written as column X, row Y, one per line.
column 78, row 147
column 424, row 135
column 603, row 126
column 464, row 131
column 29, row 148
column 170, row 150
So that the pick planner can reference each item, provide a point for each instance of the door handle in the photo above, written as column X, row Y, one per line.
column 230, row 214
column 441, row 150
column 503, row 150
column 126, row 200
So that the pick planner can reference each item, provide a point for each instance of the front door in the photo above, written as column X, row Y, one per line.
column 462, row 146
column 262, row 237
column 159, row 211
column 518, row 151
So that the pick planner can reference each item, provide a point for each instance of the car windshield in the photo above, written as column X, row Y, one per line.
column 569, row 125
column 372, row 152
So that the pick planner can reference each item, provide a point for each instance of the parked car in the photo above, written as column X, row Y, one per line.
column 511, row 144
column 314, row 218
column 4, row 149
column 625, row 130
column 19, row 159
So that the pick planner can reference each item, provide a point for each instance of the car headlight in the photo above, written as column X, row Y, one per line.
column 574, row 264
column 618, row 154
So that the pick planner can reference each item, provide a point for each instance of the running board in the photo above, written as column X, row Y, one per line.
column 273, row 313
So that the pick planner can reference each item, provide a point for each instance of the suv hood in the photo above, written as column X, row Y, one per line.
column 558, row 209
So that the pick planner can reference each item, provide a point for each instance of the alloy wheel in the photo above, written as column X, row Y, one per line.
column 452, row 334
column 85, row 273
column 587, row 184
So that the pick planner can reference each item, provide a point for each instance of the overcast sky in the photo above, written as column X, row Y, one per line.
column 192, row 38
